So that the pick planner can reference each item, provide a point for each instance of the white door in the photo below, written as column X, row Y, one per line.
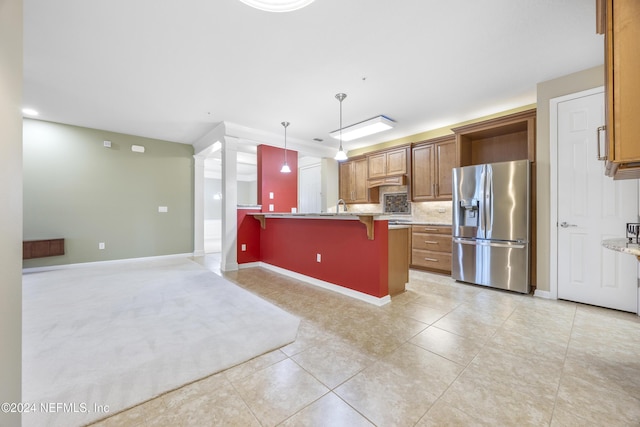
column 309, row 187
column 591, row 207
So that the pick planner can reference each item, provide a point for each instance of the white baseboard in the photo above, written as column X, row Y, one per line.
column 249, row 265
column 326, row 285
column 95, row 263
column 543, row 294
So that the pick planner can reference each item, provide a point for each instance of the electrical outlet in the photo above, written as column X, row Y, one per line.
column 271, row 208
column 244, row 247
column 101, row 245
column 442, row 210
column 271, row 195
column 318, row 258
column 163, row 209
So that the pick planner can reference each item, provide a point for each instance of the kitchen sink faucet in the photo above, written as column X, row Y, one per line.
column 338, row 205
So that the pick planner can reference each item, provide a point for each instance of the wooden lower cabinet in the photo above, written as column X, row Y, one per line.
column 431, row 247
column 398, row 260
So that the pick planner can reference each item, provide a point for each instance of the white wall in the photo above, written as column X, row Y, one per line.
column 10, row 206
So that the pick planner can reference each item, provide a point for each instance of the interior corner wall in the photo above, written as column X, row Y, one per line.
column 77, row 189
column 284, row 186
column 576, row 82
column 10, row 208
column 329, row 182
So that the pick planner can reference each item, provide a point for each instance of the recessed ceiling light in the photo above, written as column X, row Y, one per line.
column 29, row 112
column 278, row 5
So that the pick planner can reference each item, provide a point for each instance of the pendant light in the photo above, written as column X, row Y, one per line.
column 341, row 155
column 285, row 166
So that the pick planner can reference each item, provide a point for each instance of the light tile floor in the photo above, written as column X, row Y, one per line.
column 442, row 353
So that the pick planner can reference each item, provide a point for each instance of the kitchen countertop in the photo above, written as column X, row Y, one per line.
column 622, row 245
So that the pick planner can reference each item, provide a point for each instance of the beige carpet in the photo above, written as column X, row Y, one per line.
column 119, row 334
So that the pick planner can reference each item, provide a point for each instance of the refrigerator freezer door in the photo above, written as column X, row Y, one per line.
column 468, row 194
column 506, row 201
column 497, row 264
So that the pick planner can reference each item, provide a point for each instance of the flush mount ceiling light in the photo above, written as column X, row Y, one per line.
column 285, row 167
column 278, row 5
column 29, row 112
column 364, row 128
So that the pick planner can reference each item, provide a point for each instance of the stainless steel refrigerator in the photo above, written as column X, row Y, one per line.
column 491, row 226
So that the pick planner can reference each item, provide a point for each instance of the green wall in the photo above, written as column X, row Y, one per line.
column 77, row 189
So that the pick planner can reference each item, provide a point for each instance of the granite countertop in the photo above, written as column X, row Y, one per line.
column 622, row 245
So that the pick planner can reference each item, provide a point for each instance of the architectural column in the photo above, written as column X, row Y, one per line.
column 11, row 208
column 229, row 204
column 198, row 205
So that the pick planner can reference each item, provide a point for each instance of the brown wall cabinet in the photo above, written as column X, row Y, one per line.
column 432, row 161
column 622, row 86
column 503, row 139
column 431, row 247
column 353, row 182
column 387, row 163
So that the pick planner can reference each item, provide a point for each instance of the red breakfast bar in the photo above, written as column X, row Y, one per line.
column 353, row 253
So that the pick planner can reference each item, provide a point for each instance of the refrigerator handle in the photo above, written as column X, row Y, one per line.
column 488, row 201
column 481, row 212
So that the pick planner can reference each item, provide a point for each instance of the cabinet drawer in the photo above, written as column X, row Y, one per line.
column 439, row 229
column 430, row 259
column 431, row 242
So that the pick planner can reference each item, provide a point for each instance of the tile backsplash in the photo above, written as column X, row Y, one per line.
column 435, row 212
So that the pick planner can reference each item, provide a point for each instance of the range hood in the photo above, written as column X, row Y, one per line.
column 387, row 180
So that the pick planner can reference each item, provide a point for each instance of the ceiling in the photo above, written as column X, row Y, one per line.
column 174, row 69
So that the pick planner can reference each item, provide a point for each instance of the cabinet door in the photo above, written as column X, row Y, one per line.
column 397, row 162
column 445, row 161
column 377, row 165
column 346, row 179
column 422, row 185
column 623, row 68
column 360, row 189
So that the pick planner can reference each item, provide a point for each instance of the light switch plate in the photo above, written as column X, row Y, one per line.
column 271, row 195
column 163, row 209
column 244, row 247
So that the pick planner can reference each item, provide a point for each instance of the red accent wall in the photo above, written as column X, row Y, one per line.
column 248, row 234
column 349, row 258
column 283, row 185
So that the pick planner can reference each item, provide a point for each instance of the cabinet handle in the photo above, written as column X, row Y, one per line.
column 430, row 229
column 430, row 242
column 431, row 259
column 437, row 190
column 599, row 132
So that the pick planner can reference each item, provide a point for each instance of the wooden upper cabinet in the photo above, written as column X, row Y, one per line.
column 388, row 163
column 622, row 86
column 432, row 161
column 423, row 162
column 445, row 162
column 353, row 182
column 502, row 139
column 377, row 165
column 397, row 162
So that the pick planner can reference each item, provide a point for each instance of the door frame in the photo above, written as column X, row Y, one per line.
column 553, row 190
